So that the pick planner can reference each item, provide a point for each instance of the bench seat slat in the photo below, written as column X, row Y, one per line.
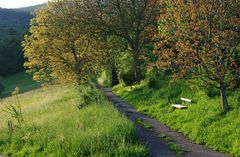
column 179, row 106
column 185, row 99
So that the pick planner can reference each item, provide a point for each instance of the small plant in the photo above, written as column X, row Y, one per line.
column 10, row 128
column 165, row 137
column 178, row 151
column 172, row 146
column 14, row 110
column 143, row 124
column 128, row 78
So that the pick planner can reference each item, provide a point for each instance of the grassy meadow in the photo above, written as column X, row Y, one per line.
column 54, row 126
column 203, row 121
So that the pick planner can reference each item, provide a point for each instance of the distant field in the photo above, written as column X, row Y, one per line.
column 22, row 80
column 54, row 126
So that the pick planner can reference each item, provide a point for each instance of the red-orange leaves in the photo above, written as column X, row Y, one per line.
column 200, row 39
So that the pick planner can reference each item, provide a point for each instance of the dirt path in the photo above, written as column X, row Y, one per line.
column 157, row 147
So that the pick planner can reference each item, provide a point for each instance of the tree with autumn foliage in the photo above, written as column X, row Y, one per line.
column 130, row 20
column 200, row 39
column 58, row 46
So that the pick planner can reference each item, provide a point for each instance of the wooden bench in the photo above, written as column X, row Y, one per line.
column 179, row 106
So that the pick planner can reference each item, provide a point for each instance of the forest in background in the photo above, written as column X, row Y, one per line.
column 14, row 24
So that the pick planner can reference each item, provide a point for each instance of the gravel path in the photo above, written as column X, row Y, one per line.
column 157, row 147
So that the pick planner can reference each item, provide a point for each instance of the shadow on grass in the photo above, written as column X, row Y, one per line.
column 22, row 80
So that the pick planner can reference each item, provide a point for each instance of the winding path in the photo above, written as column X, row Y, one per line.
column 157, row 147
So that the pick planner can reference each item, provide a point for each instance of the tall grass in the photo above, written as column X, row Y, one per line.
column 202, row 122
column 53, row 126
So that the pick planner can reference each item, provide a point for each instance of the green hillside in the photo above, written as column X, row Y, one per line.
column 22, row 80
column 10, row 18
column 18, row 19
column 13, row 26
column 54, row 126
column 31, row 9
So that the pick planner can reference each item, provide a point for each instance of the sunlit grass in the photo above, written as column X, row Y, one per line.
column 53, row 126
column 202, row 122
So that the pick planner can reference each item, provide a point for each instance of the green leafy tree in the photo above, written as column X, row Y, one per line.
column 129, row 20
column 59, row 48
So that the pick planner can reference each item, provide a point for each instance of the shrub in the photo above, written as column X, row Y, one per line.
column 154, row 83
column 212, row 92
column 154, row 79
column 88, row 95
column 128, row 78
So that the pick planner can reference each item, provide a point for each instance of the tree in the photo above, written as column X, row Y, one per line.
column 200, row 39
column 11, row 58
column 59, row 48
column 1, row 86
column 116, row 47
column 130, row 20
column 11, row 31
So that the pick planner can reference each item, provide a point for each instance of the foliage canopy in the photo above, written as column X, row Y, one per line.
column 201, row 39
column 59, row 48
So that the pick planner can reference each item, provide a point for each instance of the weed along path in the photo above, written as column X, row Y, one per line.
column 159, row 139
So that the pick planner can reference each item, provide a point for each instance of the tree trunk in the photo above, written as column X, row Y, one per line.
column 225, row 105
column 115, row 80
column 137, row 67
